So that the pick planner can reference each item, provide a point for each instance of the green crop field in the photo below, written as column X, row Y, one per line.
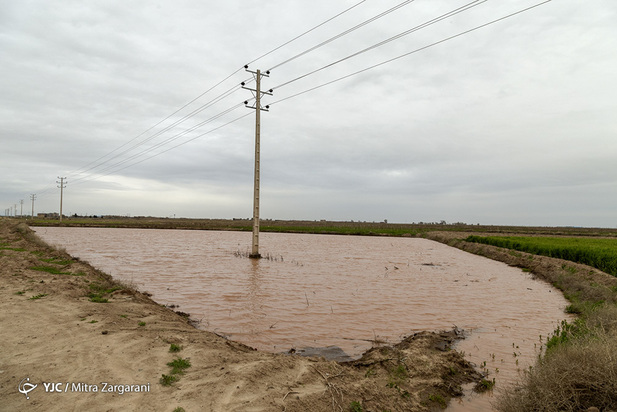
column 599, row 253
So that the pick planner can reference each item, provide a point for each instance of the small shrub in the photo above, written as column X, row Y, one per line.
column 178, row 365
column 167, row 380
column 39, row 296
column 355, row 406
column 439, row 400
column 485, row 385
column 173, row 348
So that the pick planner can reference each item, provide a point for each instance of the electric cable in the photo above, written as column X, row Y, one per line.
column 454, row 12
column 89, row 166
column 167, row 128
column 168, row 149
column 411, row 52
column 306, row 32
column 160, row 144
column 344, row 33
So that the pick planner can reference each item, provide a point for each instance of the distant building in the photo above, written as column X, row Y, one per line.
column 53, row 215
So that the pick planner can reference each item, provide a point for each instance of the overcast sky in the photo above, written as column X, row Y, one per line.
column 514, row 123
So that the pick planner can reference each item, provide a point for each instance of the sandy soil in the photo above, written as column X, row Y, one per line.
column 64, row 341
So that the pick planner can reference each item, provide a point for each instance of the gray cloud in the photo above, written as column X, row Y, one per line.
column 510, row 124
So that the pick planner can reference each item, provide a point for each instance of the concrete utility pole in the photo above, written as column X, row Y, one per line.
column 33, row 198
column 21, row 208
column 62, row 186
column 257, row 93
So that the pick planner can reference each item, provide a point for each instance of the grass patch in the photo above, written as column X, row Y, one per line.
column 167, row 380
column 173, row 348
column 598, row 253
column 485, row 385
column 142, row 323
column 98, row 292
column 355, row 406
column 14, row 249
column 178, row 365
column 50, row 269
column 39, row 296
column 57, row 261
column 438, row 399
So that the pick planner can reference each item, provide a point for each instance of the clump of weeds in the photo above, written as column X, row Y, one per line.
column 97, row 292
column 39, row 296
column 167, row 380
column 438, row 399
column 173, row 348
column 50, row 269
column 178, row 366
column 355, row 406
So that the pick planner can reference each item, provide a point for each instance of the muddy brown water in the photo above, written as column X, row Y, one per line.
column 316, row 291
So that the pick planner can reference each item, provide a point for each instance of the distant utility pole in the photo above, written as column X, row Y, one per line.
column 33, row 198
column 21, row 208
column 62, row 186
column 257, row 93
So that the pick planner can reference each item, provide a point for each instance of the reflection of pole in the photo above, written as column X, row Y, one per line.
column 62, row 186
column 257, row 93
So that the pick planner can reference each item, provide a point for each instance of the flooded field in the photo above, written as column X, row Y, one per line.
column 314, row 291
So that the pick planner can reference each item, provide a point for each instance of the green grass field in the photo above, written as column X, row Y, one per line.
column 597, row 252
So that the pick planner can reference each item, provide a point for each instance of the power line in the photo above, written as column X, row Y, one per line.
column 409, row 53
column 217, row 99
column 159, row 122
column 306, row 32
column 346, row 32
column 454, row 12
column 159, row 145
column 171, row 148
column 113, row 168
column 94, row 164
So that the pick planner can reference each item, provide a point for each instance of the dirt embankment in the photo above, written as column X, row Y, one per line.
column 82, row 339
